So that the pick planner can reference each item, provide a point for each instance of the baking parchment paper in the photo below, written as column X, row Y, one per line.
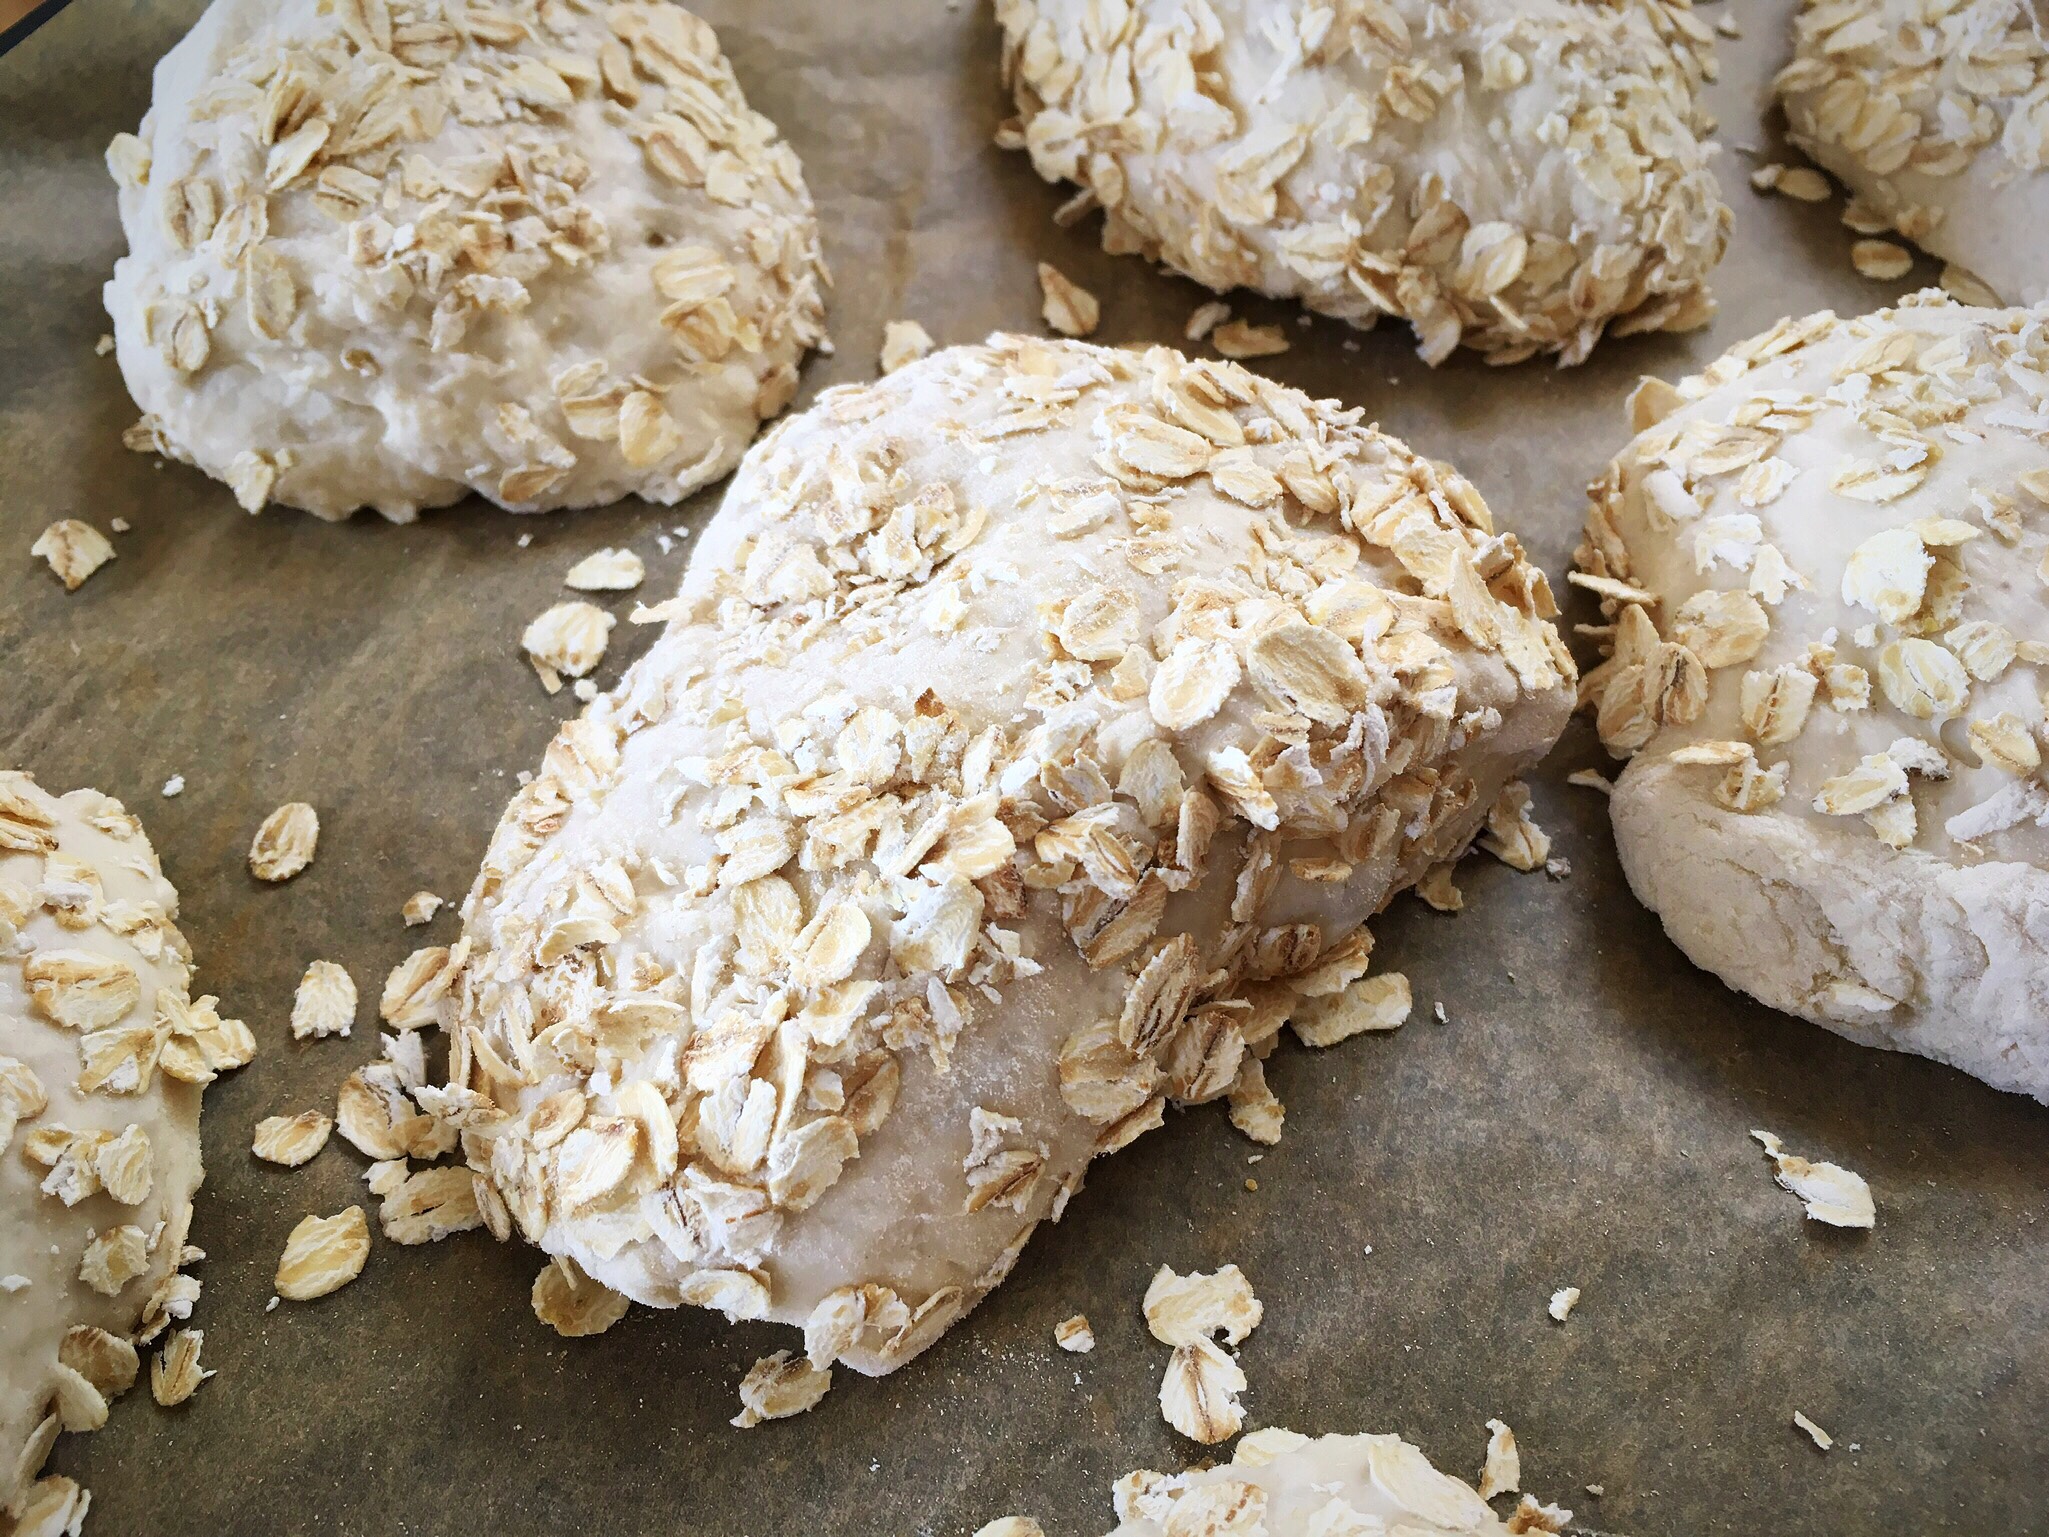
column 1581, row 1119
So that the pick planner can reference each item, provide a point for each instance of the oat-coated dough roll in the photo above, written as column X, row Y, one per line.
column 1516, row 175
column 387, row 252
column 103, row 1054
column 1033, row 731
column 1289, row 1485
column 1827, row 559
column 1937, row 117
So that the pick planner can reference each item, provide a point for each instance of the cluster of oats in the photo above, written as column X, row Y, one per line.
column 1034, row 728
column 1199, row 1393
column 103, row 1054
column 1935, row 113
column 1823, row 566
column 1518, row 176
column 1290, row 1485
column 386, row 252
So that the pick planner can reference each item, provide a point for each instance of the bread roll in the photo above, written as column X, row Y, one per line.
column 1515, row 175
column 1824, row 559
column 386, row 254
column 103, row 1053
column 1032, row 733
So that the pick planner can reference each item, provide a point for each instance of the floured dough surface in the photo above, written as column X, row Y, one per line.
column 1827, row 561
column 1289, row 1485
column 1033, row 731
column 102, row 1056
column 384, row 254
column 1515, row 175
column 1937, row 118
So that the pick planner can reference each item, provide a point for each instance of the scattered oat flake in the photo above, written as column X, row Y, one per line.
column 606, row 571
column 903, row 343
column 1502, row 1472
column 104, row 345
column 1074, row 1335
column 175, row 1373
column 1011, row 1526
column 779, row 1386
column 284, row 844
column 174, row 786
column 323, row 1254
column 325, row 1003
column 420, row 908
column 119, row 525
column 1437, row 888
column 1199, row 1393
column 1815, row 1433
column 1831, row 1193
column 1239, row 340
column 569, row 638
column 1801, row 183
column 74, row 550
column 291, row 1140
column 1532, row 1515
column 1368, row 1004
column 1205, row 318
column 572, row 1304
column 1881, row 260
column 1966, row 287
column 1563, row 1301
column 1180, row 1310
column 1069, row 308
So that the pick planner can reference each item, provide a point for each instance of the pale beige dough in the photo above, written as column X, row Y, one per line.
column 772, row 996
column 1832, row 675
column 386, row 254
column 1519, row 176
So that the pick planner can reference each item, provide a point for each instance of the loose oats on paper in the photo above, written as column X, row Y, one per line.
column 284, row 844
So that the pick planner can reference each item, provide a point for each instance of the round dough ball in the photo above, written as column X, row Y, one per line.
column 387, row 252
column 1288, row 1485
column 1034, row 730
column 1825, row 559
column 1519, row 182
column 102, row 1058
column 1939, row 123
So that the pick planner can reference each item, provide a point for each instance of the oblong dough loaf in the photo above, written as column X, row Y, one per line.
column 1831, row 674
column 103, row 1053
column 387, row 254
column 1518, row 178
column 775, row 997
column 1288, row 1485
column 1937, row 117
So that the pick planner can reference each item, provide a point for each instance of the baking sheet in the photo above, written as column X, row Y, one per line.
column 1582, row 1119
